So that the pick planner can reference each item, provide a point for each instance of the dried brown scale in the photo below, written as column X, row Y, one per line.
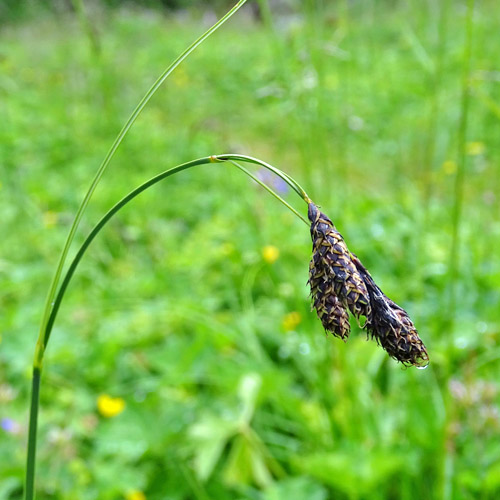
column 330, row 310
column 332, row 259
column 391, row 326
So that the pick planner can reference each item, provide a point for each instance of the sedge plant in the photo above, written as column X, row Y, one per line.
column 339, row 282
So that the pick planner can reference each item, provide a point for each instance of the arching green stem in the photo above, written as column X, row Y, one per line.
column 109, row 156
column 270, row 191
column 43, row 341
column 289, row 180
column 29, row 488
column 151, row 182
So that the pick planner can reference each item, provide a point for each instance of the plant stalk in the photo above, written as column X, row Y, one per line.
column 30, row 465
column 43, row 340
column 49, row 302
column 458, row 195
column 146, row 185
column 109, row 156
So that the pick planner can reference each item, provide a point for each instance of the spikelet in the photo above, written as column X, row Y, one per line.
column 330, row 310
column 391, row 326
column 339, row 282
column 331, row 263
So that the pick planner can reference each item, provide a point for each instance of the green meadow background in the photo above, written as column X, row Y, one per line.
column 185, row 363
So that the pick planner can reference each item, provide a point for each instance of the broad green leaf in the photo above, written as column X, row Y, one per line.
column 210, row 436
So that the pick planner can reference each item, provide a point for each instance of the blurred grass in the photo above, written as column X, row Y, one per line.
column 176, row 311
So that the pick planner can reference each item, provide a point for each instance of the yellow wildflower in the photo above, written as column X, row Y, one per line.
column 291, row 320
column 110, row 407
column 270, row 254
column 449, row 167
column 227, row 249
column 135, row 495
column 180, row 77
column 475, row 148
column 50, row 219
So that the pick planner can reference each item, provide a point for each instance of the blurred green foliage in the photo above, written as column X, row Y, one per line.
column 15, row 10
column 230, row 388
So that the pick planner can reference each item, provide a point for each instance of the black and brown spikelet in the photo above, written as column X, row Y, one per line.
column 332, row 272
column 340, row 282
column 391, row 325
column 331, row 312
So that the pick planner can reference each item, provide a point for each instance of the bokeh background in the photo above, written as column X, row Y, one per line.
column 185, row 363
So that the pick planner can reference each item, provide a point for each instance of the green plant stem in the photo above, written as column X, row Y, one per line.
column 289, row 180
column 87, row 27
column 49, row 302
column 30, row 465
column 151, row 182
column 270, row 191
column 454, row 262
column 447, row 445
column 109, row 156
column 231, row 159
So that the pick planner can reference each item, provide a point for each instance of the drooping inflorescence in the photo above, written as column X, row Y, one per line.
column 335, row 283
column 339, row 282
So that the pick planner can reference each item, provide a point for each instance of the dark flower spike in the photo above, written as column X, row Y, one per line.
column 339, row 281
column 330, row 310
column 331, row 271
column 391, row 326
